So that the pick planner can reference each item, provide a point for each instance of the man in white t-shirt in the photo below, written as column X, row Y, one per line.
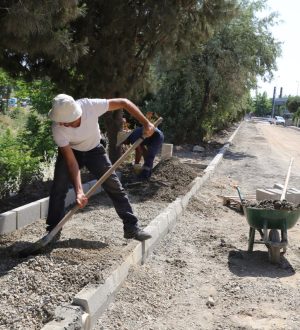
column 77, row 134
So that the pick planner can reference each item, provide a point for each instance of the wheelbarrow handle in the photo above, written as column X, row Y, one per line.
column 239, row 193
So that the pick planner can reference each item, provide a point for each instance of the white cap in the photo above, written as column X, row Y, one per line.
column 64, row 109
column 122, row 136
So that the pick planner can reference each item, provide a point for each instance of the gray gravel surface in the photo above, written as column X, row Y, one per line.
column 91, row 245
column 201, row 275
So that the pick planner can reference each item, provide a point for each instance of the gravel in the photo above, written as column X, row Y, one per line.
column 201, row 275
column 91, row 245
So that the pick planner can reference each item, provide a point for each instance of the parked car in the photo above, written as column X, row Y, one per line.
column 278, row 120
column 270, row 119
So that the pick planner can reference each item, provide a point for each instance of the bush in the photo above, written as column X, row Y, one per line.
column 38, row 136
column 17, row 165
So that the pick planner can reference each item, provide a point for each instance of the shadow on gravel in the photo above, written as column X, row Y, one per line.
column 236, row 155
column 77, row 243
column 256, row 264
column 9, row 259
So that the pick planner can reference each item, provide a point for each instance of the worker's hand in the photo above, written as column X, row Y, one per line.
column 149, row 129
column 81, row 200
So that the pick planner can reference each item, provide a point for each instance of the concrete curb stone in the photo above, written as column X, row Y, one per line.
column 68, row 317
column 44, row 202
column 8, row 222
column 27, row 214
column 94, row 299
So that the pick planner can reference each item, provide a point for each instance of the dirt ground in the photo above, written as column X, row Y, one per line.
column 163, row 181
column 201, row 275
column 92, row 241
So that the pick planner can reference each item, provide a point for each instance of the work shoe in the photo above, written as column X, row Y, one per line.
column 138, row 234
column 144, row 175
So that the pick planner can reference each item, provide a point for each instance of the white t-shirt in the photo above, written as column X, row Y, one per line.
column 87, row 136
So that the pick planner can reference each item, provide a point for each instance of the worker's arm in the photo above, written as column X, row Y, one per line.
column 74, row 172
column 117, row 104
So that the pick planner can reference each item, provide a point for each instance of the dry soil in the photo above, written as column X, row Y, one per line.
column 201, row 275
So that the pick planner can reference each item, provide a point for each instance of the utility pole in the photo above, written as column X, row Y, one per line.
column 273, row 102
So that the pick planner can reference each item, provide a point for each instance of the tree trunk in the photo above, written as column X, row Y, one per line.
column 206, row 97
column 113, row 123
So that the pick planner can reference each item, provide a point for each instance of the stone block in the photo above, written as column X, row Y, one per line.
column 185, row 199
column 8, row 222
column 162, row 223
column 27, row 214
column 166, row 151
column 177, row 206
column 95, row 298
column 278, row 186
column 92, row 298
column 68, row 318
column 44, row 203
column 293, row 196
column 154, row 231
column 277, row 192
column 262, row 194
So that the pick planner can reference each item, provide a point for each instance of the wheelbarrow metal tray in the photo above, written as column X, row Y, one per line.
column 271, row 219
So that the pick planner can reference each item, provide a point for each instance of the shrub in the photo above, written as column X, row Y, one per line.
column 17, row 165
column 37, row 135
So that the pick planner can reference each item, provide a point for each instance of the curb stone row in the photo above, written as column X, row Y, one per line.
column 24, row 215
column 89, row 304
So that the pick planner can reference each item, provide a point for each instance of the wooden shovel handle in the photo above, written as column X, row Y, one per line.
column 286, row 181
column 69, row 214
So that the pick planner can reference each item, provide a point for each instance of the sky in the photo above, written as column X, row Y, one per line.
column 287, row 31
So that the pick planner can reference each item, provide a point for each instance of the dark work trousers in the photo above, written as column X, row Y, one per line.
column 97, row 162
column 152, row 143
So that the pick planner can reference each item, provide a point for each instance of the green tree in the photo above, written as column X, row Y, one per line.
column 293, row 103
column 122, row 38
column 5, row 90
column 262, row 105
column 33, row 31
column 212, row 88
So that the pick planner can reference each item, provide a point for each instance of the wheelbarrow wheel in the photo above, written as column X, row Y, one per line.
column 274, row 251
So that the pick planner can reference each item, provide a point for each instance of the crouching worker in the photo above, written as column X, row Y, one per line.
column 77, row 134
column 147, row 150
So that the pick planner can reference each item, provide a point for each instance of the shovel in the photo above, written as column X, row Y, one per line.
column 37, row 246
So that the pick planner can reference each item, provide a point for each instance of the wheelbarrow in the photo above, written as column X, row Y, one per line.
column 270, row 223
